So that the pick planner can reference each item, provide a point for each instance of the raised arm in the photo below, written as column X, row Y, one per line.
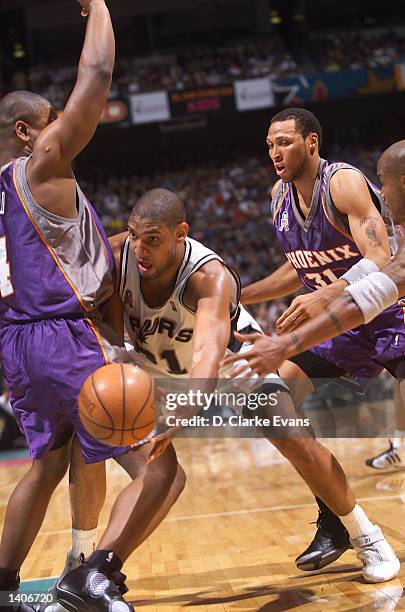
column 62, row 140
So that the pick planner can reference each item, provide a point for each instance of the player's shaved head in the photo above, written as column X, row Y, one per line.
column 392, row 161
column 22, row 106
column 159, row 205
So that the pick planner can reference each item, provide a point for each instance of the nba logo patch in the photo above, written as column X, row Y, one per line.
column 173, row 305
column 284, row 222
column 3, row 203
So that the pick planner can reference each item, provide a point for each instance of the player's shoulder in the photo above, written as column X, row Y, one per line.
column 210, row 280
column 276, row 188
column 346, row 184
column 117, row 242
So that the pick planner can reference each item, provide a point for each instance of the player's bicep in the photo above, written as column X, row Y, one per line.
column 82, row 114
column 351, row 195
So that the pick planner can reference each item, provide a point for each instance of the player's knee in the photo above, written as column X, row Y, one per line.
column 50, row 472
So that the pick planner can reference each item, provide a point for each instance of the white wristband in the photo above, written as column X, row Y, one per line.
column 362, row 268
column 373, row 294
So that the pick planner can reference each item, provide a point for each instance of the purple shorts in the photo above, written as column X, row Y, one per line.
column 363, row 352
column 45, row 364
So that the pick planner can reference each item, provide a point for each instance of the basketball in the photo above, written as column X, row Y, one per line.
column 116, row 404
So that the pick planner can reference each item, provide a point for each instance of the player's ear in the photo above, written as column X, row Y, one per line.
column 182, row 231
column 22, row 130
column 313, row 143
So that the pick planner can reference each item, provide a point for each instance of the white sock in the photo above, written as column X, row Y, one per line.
column 397, row 438
column 83, row 542
column 356, row 522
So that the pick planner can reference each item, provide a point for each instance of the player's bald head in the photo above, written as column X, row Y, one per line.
column 392, row 161
column 23, row 106
column 160, row 206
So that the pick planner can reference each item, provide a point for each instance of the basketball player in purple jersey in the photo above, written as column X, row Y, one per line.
column 56, row 280
column 360, row 302
column 327, row 220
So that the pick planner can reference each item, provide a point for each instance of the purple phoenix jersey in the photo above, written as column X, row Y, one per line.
column 56, row 276
column 321, row 249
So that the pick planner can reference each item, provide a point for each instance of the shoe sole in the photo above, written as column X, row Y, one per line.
column 310, row 566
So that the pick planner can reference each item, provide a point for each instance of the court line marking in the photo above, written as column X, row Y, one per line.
column 194, row 517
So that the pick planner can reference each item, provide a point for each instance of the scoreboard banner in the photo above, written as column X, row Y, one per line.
column 218, row 99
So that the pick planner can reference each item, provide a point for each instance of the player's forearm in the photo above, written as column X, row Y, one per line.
column 98, row 54
column 206, row 366
column 342, row 314
column 281, row 283
column 396, row 270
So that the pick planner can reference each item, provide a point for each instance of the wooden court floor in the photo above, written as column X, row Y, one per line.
column 231, row 540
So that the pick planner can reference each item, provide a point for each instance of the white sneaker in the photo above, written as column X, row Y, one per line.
column 391, row 458
column 380, row 563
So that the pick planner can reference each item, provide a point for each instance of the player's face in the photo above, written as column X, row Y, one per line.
column 155, row 246
column 393, row 193
column 288, row 149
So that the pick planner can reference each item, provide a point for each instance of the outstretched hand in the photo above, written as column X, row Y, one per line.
column 265, row 355
column 303, row 308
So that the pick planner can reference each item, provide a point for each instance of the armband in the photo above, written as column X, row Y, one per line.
column 373, row 294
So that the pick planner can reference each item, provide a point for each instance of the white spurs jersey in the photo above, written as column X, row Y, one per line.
column 162, row 337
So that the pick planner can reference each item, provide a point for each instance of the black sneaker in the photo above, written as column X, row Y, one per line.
column 87, row 589
column 330, row 542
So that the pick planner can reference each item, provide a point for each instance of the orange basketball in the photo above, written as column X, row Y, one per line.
column 116, row 404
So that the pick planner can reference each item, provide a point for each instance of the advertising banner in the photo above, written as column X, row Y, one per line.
column 149, row 107
column 253, row 94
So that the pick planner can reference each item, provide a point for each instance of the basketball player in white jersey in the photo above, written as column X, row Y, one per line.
column 181, row 304
column 180, row 301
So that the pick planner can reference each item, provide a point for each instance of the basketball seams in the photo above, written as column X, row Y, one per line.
column 101, row 403
column 110, row 408
column 112, row 431
column 145, row 404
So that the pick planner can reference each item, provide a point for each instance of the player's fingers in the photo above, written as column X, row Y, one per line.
column 246, row 337
column 230, row 359
column 293, row 323
column 287, row 321
column 290, row 310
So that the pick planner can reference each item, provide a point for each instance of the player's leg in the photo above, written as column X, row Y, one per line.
column 324, row 476
column 85, row 508
column 137, row 511
column 26, row 510
column 394, row 456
